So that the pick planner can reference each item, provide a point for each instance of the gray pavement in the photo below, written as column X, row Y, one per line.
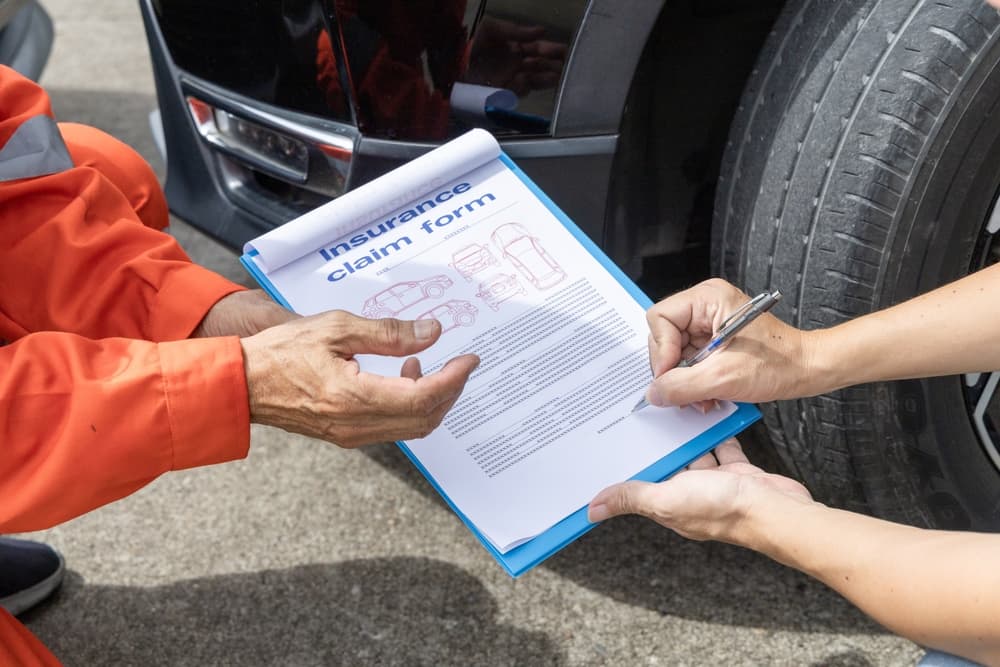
column 308, row 555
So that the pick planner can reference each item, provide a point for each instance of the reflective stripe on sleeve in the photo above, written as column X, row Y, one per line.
column 35, row 149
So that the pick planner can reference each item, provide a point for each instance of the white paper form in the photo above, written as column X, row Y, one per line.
column 544, row 422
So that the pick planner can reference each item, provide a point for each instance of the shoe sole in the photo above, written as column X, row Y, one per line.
column 22, row 601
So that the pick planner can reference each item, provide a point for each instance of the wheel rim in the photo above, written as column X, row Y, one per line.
column 982, row 390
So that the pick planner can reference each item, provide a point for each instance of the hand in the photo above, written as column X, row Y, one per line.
column 707, row 501
column 302, row 377
column 768, row 360
column 242, row 313
column 509, row 55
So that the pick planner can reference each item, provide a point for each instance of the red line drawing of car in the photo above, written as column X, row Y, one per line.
column 498, row 289
column 397, row 298
column 452, row 314
column 527, row 254
column 472, row 259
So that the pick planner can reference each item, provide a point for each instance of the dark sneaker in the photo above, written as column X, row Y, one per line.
column 29, row 573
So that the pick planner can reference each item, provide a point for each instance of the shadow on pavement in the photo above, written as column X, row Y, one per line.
column 115, row 112
column 846, row 659
column 633, row 560
column 387, row 611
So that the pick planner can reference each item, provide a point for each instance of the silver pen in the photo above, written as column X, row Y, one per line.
column 732, row 325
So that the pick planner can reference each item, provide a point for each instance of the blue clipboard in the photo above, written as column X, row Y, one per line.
column 522, row 558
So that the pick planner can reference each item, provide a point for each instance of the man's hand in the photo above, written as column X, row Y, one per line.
column 302, row 377
column 707, row 501
column 768, row 360
column 242, row 314
column 509, row 55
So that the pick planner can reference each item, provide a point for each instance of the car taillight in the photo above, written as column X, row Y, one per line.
column 263, row 142
column 314, row 159
column 266, row 149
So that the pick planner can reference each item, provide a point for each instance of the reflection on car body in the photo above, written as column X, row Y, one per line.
column 452, row 314
column 394, row 300
column 526, row 253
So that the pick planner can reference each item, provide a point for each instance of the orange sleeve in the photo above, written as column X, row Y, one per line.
column 74, row 257
column 20, row 99
column 83, row 422
column 20, row 648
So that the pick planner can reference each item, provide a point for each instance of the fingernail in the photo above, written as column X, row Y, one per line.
column 597, row 513
column 424, row 329
column 653, row 398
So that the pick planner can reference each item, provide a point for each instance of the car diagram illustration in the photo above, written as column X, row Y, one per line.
column 452, row 314
column 472, row 259
column 397, row 298
column 526, row 253
column 499, row 288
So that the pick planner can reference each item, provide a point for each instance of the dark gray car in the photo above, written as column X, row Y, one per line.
column 845, row 152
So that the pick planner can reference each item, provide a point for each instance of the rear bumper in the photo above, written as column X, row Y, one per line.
column 231, row 200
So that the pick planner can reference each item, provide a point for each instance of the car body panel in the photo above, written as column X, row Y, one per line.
column 234, row 201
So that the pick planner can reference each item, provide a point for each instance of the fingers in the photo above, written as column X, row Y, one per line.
column 411, row 369
column 668, row 321
column 706, row 461
column 689, row 317
column 359, row 335
column 730, row 452
column 425, row 395
column 686, row 386
column 439, row 391
column 625, row 498
column 548, row 54
column 517, row 32
column 410, row 406
column 303, row 377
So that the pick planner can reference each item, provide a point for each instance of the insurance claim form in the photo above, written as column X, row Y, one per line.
column 544, row 422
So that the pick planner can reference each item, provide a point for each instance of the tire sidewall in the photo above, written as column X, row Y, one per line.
column 932, row 439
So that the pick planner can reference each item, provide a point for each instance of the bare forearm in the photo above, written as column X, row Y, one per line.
column 937, row 588
column 954, row 329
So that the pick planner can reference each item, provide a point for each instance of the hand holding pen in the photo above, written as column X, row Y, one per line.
column 762, row 362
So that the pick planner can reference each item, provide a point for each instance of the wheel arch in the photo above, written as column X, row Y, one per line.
column 682, row 96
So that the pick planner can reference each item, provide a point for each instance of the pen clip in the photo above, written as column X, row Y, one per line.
column 740, row 311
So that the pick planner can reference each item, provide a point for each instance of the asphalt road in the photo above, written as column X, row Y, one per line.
column 307, row 555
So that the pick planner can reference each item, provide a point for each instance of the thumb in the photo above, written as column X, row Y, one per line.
column 683, row 386
column 388, row 336
column 626, row 498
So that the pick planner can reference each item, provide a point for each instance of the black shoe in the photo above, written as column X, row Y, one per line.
column 29, row 573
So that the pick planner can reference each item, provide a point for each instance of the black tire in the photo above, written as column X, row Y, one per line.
column 861, row 170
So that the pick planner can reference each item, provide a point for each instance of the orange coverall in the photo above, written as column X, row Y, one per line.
column 99, row 391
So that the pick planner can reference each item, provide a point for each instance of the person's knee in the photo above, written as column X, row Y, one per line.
column 123, row 166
